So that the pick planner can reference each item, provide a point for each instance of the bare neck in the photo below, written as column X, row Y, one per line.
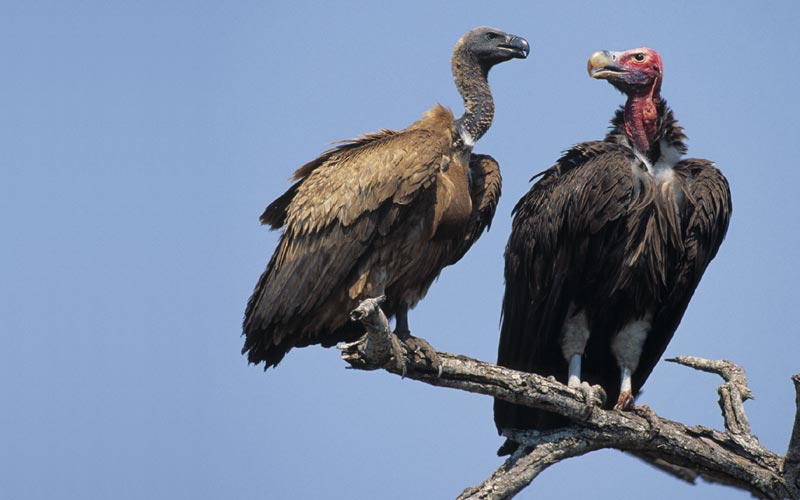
column 471, row 80
column 641, row 118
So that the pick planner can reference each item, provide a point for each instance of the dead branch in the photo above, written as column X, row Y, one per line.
column 732, row 394
column 522, row 468
column 734, row 457
column 791, row 464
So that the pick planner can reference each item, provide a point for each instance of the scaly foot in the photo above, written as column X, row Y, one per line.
column 625, row 401
column 593, row 395
column 419, row 347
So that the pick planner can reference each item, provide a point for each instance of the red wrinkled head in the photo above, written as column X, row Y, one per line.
column 634, row 72
column 638, row 74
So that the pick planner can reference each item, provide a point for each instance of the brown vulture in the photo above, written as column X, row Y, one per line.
column 382, row 214
column 607, row 248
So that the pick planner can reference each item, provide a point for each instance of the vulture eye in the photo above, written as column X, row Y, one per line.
column 491, row 36
column 639, row 57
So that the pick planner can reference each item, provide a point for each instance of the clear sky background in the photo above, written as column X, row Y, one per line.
column 140, row 141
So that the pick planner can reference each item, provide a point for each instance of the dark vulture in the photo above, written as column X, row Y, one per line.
column 382, row 214
column 607, row 248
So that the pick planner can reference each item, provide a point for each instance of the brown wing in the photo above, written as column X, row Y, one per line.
column 704, row 223
column 567, row 220
column 485, row 186
column 345, row 199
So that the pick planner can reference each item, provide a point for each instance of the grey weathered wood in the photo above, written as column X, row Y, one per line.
column 379, row 344
column 734, row 457
column 791, row 464
column 518, row 472
column 732, row 394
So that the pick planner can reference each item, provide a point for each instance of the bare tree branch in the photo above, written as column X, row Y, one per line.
column 523, row 467
column 791, row 464
column 733, row 457
column 379, row 344
column 732, row 394
column 683, row 473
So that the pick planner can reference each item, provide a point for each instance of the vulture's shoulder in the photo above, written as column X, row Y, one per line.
column 585, row 174
column 700, row 171
column 709, row 199
column 359, row 175
column 594, row 155
column 707, row 190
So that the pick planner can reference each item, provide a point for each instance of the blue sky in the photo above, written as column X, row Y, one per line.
column 141, row 141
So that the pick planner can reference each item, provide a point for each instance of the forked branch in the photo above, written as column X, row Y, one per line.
column 734, row 457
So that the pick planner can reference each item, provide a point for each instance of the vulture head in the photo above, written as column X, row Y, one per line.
column 637, row 73
column 489, row 46
column 633, row 72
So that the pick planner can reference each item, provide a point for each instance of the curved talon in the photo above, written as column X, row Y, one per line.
column 648, row 414
column 593, row 395
column 400, row 358
column 421, row 347
column 405, row 348
column 625, row 401
column 645, row 412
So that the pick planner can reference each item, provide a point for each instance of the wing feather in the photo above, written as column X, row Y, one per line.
column 343, row 200
column 705, row 222
column 587, row 190
column 485, row 186
column 559, row 226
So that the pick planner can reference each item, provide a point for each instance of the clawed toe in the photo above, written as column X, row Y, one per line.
column 644, row 411
column 593, row 395
column 399, row 355
column 419, row 349
column 625, row 401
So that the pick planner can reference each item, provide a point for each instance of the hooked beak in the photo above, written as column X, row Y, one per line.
column 517, row 46
column 602, row 64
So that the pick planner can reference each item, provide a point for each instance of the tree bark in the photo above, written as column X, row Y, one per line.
column 733, row 457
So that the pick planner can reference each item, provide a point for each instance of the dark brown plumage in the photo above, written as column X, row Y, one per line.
column 610, row 244
column 381, row 214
